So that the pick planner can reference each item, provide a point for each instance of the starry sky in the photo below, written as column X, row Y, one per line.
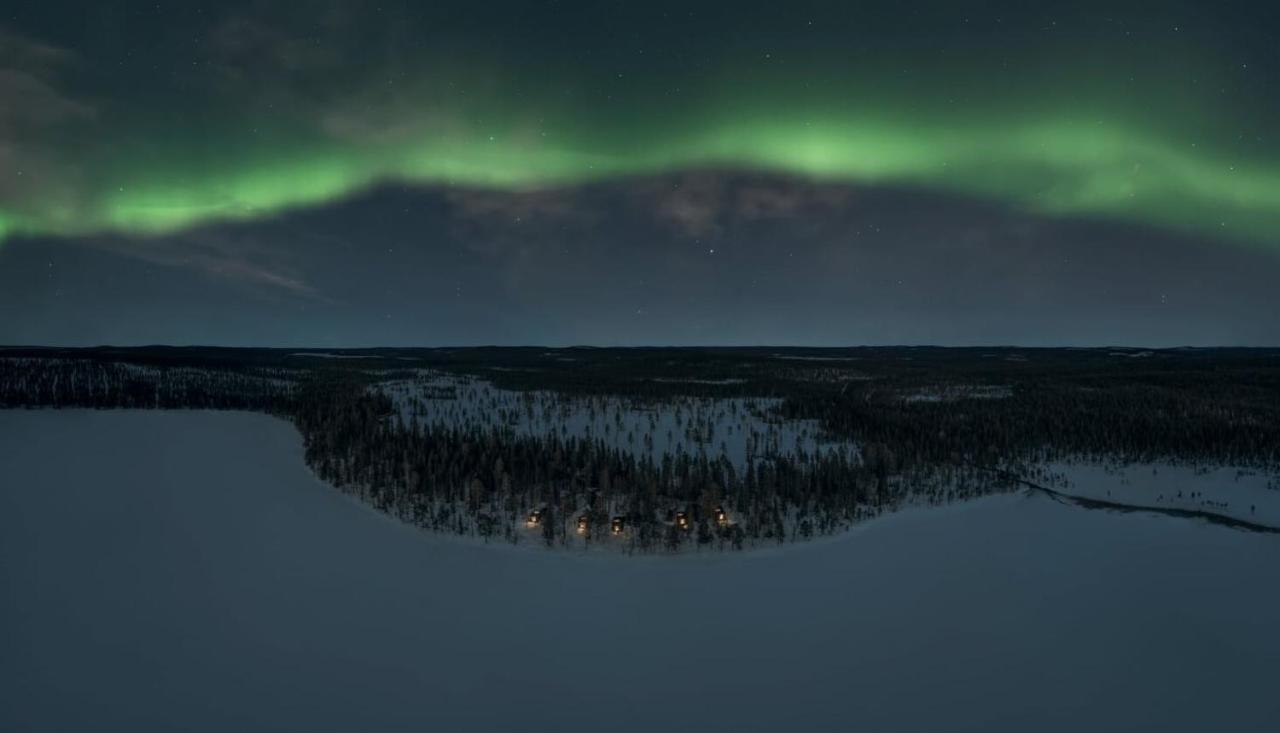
column 334, row 172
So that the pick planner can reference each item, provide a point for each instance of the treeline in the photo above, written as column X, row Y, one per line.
column 30, row 383
column 1224, row 423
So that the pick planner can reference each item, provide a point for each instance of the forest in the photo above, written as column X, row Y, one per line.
column 647, row 450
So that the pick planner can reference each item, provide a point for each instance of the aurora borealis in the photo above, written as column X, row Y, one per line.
column 243, row 111
column 1061, row 167
column 144, row 127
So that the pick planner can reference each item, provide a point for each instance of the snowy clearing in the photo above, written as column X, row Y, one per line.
column 1245, row 494
column 957, row 392
column 184, row 571
column 736, row 428
column 325, row 355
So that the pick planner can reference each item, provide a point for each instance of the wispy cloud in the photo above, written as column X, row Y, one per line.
column 238, row 258
column 35, row 114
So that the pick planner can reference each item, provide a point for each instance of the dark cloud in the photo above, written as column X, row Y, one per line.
column 17, row 51
column 34, row 109
column 771, row 259
column 707, row 203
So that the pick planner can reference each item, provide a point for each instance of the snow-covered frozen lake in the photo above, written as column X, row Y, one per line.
column 185, row 571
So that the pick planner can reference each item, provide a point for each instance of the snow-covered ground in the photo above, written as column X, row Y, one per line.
column 326, row 355
column 957, row 392
column 733, row 427
column 184, row 571
column 1245, row 494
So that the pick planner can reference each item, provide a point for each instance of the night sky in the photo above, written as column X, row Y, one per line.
column 409, row 173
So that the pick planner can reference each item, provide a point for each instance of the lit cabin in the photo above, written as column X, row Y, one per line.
column 584, row 524
column 722, row 517
column 618, row 525
column 682, row 520
column 535, row 519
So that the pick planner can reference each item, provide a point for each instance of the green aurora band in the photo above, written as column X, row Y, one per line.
column 1062, row 133
column 1057, row 167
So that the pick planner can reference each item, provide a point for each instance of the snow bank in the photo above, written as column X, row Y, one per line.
column 184, row 571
